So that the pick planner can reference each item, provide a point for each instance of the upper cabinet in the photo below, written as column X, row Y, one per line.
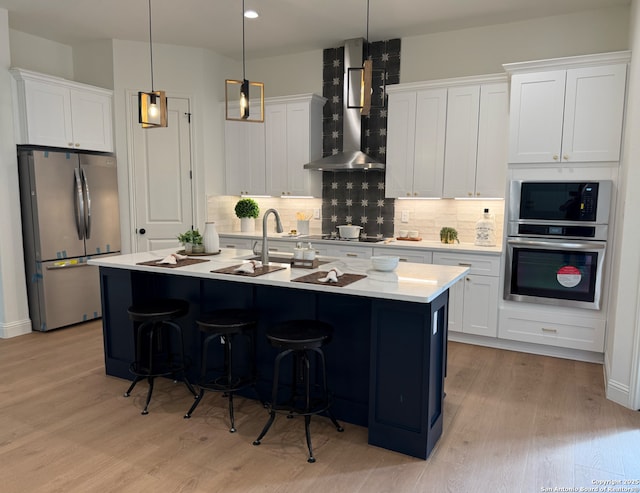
column 567, row 110
column 416, row 124
column 61, row 113
column 476, row 144
column 448, row 138
column 245, row 158
column 293, row 134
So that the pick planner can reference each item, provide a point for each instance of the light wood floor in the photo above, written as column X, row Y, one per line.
column 514, row 423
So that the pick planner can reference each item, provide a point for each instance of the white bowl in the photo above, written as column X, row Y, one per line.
column 385, row 263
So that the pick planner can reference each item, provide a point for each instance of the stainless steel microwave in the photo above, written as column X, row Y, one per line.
column 561, row 209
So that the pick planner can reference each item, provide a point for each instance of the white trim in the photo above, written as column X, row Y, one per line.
column 23, row 74
column 14, row 329
column 569, row 62
column 297, row 98
column 438, row 83
column 617, row 392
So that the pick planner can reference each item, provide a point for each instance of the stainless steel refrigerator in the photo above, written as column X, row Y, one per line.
column 69, row 203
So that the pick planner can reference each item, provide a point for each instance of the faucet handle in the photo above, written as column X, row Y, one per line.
column 255, row 249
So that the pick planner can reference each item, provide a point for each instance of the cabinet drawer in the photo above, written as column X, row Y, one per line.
column 420, row 257
column 483, row 265
column 281, row 246
column 553, row 329
column 348, row 251
column 237, row 243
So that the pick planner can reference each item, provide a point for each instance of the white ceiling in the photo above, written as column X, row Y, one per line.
column 284, row 26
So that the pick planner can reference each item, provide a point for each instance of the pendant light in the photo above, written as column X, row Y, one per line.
column 244, row 100
column 152, row 106
column 366, row 73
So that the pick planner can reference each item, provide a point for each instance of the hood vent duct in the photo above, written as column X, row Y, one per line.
column 351, row 158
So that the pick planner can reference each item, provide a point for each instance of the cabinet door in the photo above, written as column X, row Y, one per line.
column 594, row 106
column 480, row 314
column 456, row 306
column 536, row 114
column 298, row 145
column 491, row 163
column 463, row 106
column 245, row 158
column 48, row 114
column 401, row 129
column 275, row 116
column 92, row 120
column 428, row 166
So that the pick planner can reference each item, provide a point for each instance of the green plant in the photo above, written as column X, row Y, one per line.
column 192, row 236
column 247, row 208
column 448, row 235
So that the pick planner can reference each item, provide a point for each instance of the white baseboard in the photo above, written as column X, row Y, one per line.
column 618, row 393
column 15, row 329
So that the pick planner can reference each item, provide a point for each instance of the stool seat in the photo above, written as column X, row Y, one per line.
column 300, row 334
column 158, row 309
column 156, row 355
column 301, row 339
column 226, row 325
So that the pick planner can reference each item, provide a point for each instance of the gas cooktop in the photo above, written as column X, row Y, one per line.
column 366, row 239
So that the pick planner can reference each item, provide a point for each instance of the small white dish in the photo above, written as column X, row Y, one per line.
column 385, row 263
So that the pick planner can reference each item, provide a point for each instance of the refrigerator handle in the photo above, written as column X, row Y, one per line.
column 87, row 211
column 79, row 204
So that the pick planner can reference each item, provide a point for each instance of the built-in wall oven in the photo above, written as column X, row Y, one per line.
column 557, row 242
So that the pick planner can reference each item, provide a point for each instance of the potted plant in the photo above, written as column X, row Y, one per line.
column 192, row 241
column 448, row 235
column 247, row 210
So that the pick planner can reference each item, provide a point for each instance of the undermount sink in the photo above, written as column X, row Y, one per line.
column 279, row 259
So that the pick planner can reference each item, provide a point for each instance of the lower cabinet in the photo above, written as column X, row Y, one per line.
column 473, row 302
column 418, row 256
column 553, row 327
column 237, row 243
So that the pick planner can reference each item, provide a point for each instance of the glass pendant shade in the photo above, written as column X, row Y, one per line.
column 152, row 109
column 244, row 100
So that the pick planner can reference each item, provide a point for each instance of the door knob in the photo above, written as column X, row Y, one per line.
column 142, row 231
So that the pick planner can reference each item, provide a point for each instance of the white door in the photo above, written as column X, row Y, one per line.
column 161, row 166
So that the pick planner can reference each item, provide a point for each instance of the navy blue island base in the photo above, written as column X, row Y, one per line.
column 386, row 361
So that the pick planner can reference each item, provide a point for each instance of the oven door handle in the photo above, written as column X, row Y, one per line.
column 555, row 245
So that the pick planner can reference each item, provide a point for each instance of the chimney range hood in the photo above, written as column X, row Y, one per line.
column 351, row 158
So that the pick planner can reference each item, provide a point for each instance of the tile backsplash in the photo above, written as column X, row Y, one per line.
column 425, row 216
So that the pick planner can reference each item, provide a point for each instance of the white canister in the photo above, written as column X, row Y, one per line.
column 211, row 238
column 303, row 227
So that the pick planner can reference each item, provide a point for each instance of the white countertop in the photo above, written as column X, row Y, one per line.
column 430, row 245
column 417, row 283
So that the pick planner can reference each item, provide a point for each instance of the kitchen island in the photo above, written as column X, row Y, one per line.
column 387, row 359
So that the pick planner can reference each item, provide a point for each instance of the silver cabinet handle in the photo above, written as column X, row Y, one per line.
column 550, row 330
column 464, row 264
column 351, row 255
column 403, row 259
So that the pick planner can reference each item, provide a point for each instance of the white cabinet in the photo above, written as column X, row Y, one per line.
column 552, row 326
column 60, row 113
column 245, row 158
column 414, row 255
column 567, row 115
column 342, row 250
column 293, row 131
column 237, row 243
column 415, row 143
column 476, row 141
column 473, row 302
column 448, row 138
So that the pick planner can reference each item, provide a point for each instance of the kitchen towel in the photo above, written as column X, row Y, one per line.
column 343, row 280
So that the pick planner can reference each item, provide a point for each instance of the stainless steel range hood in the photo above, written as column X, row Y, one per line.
column 351, row 158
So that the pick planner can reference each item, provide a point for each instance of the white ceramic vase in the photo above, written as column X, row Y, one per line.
column 247, row 224
column 211, row 238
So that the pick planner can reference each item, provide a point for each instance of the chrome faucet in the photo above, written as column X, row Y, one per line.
column 265, row 246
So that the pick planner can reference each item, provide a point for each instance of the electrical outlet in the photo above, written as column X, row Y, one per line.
column 404, row 216
column 316, row 213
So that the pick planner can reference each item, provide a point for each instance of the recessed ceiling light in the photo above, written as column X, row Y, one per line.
column 251, row 14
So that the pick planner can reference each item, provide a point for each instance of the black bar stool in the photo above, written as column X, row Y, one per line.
column 155, row 354
column 226, row 325
column 300, row 338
